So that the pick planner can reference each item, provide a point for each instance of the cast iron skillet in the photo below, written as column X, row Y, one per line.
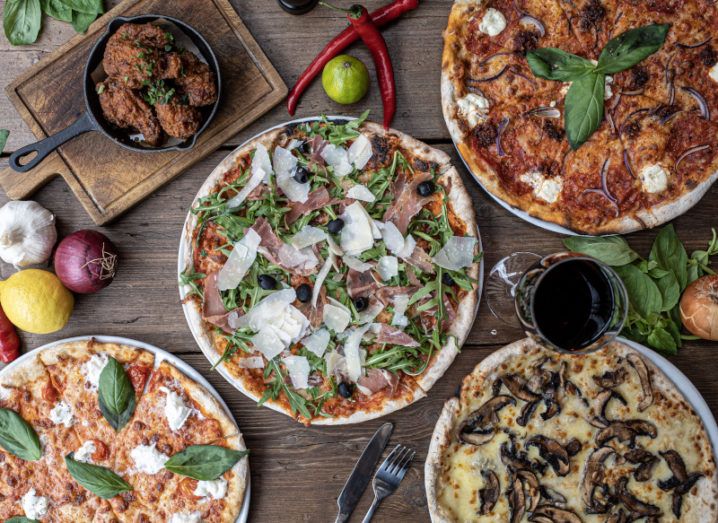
column 93, row 119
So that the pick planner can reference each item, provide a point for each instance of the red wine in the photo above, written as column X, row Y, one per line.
column 298, row 7
column 573, row 304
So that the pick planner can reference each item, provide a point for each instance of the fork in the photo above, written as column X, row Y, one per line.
column 387, row 478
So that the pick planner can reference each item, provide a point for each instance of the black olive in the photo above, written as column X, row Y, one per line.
column 301, row 175
column 361, row 303
column 425, row 188
column 304, row 148
column 267, row 282
column 304, row 293
column 345, row 390
column 335, row 226
column 446, row 279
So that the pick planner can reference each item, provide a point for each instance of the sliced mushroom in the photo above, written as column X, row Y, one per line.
column 515, row 460
column 555, row 515
column 552, row 496
column 618, row 517
column 611, row 379
column 526, row 412
column 646, row 463
column 626, row 431
column 601, row 402
column 531, row 488
column 552, row 409
column 479, row 427
column 518, row 387
column 573, row 447
column 517, row 501
column 593, row 475
column 489, row 495
column 681, row 482
column 677, row 465
column 645, row 378
column 567, row 385
column 632, row 503
column 552, row 452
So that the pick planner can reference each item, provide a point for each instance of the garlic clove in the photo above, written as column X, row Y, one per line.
column 27, row 233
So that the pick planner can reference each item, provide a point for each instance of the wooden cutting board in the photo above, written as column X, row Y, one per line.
column 106, row 178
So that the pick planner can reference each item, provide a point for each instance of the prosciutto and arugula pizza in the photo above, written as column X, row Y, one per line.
column 331, row 269
column 654, row 150
column 93, row 432
column 543, row 437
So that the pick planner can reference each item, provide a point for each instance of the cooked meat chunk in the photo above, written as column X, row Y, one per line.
column 180, row 121
column 197, row 81
column 125, row 108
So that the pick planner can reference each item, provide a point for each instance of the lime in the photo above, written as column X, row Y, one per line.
column 36, row 301
column 345, row 79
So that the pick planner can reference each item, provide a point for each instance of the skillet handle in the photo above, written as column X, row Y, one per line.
column 49, row 144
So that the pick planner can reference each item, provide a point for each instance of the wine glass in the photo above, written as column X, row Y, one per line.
column 298, row 7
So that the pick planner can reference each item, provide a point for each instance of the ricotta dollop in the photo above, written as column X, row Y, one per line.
column 654, row 179
column 148, row 459
column 34, row 506
column 493, row 22
column 61, row 414
column 215, row 489
column 93, row 368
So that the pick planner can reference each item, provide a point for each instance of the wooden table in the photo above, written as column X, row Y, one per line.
column 297, row 472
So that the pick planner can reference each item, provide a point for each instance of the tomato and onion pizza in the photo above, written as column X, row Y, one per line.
column 534, row 435
column 331, row 269
column 656, row 151
column 56, row 392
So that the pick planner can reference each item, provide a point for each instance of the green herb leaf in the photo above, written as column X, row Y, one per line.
column 584, row 108
column 643, row 293
column 670, row 291
column 611, row 250
column 57, row 9
column 554, row 64
column 662, row 340
column 4, row 133
column 668, row 252
column 20, row 519
column 629, row 48
column 204, row 462
column 22, row 20
column 18, row 437
column 81, row 21
column 90, row 7
column 98, row 480
column 116, row 394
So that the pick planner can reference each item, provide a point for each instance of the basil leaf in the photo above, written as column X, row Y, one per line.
column 4, row 133
column 661, row 340
column 584, row 108
column 57, row 9
column 629, row 48
column 81, row 21
column 611, row 250
column 20, row 519
column 554, row 64
column 18, row 437
column 669, row 253
column 90, row 7
column 116, row 394
column 101, row 481
column 22, row 20
column 643, row 294
column 670, row 291
column 204, row 462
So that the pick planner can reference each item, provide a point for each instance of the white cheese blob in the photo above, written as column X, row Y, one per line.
column 176, row 412
column 268, row 343
column 261, row 171
column 93, row 368
column 285, row 164
column 317, row 342
column 85, row 452
column 357, row 235
column 493, row 22
column 148, row 459
column 215, row 489
column 654, row 179
column 34, row 506
column 457, row 253
column 335, row 362
column 401, row 303
column 546, row 189
column 291, row 257
column 360, row 152
column 261, row 162
column 352, row 352
column 298, row 369
column 336, row 317
column 186, row 517
column 239, row 261
column 393, row 239
column 251, row 362
column 308, row 236
column 356, row 264
column 61, row 414
column 361, row 192
column 608, row 92
column 473, row 108
column 408, row 249
column 387, row 267
column 317, row 289
column 337, row 157
column 371, row 312
column 713, row 73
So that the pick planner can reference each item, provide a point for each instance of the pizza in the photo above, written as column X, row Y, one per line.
column 331, row 269
column 656, row 151
column 539, row 436
column 55, row 392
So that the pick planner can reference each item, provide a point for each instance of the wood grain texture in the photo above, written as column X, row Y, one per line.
column 297, row 472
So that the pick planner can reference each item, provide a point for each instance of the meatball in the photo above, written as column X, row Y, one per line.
column 180, row 121
column 197, row 81
column 125, row 108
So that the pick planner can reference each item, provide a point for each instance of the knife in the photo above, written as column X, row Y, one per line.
column 361, row 475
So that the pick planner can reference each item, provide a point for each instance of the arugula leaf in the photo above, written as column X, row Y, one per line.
column 18, row 437
column 57, row 9
column 629, row 48
column 643, row 293
column 555, row 64
column 99, row 480
column 668, row 252
column 116, row 394
column 584, row 108
column 22, row 20
column 4, row 133
column 611, row 250
column 204, row 462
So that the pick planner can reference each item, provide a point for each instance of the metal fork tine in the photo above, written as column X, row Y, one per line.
column 396, row 462
column 405, row 466
column 390, row 458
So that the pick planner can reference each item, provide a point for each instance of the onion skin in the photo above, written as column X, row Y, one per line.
column 86, row 261
column 699, row 308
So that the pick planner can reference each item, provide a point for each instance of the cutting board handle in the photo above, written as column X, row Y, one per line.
column 49, row 144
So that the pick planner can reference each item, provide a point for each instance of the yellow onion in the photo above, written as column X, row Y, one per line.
column 699, row 307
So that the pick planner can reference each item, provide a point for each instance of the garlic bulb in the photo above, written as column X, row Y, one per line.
column 27, row 233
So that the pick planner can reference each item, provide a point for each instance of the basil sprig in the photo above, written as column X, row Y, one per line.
column 654, row 285
column 204, row 462
column 22, row 19
column 116, row 394
column 584, row 100
column 98, row 480
column 4, row 133
column 18, row 437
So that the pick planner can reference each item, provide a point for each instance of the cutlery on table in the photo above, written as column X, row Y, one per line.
column 388, row 477
column 359, row 478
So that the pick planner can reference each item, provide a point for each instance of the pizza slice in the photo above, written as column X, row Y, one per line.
column 592, row 22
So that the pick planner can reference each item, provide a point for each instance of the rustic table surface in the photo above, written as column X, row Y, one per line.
column 297, row 472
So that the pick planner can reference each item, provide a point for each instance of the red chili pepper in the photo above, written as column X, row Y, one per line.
column 9, row 341
column 380, row 17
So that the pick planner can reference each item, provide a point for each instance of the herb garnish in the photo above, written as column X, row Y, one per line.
column 22, row 19
column 115, row 394
column 18, row 437
column 585, row 98
column 204, row 462
column 99, row 480
column 4, row 133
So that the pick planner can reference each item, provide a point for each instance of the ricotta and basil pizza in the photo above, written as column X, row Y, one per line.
column 552, row 438
column 93, row 431
column 331, row 269
column 597, row 115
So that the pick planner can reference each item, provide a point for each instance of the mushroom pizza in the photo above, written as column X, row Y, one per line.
column 550, row 438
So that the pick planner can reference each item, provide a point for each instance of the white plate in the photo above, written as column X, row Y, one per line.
column 160, row 355
column 192, row 314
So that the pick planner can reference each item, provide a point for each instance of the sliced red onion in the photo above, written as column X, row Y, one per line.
column 693, row 46
column 544, row 112
column 488, row 78
column 630, row 117
column 611, row 122
column 599, row 191
column 503, row 124
column 669, row 76
column 665, row 119
column 634, row 92
column 530, row 20
column 495, row 55
column 692, row 150
column 517, row 72
column 627, row 164
column 698, row 97
column 603, row 191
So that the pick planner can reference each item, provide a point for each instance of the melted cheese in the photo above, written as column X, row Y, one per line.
column 148, row 459
column 654, row 179
column 85, row 452
column 61, row 414
column 546, row 189
column 93, row 368
column 473, row 108
column 34, row 506
column 713, row 73
column 493, row 22
column 215, row 489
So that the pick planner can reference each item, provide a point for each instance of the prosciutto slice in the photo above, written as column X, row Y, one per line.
column 395, row 336
column 421, row 260
column 213, row 310
column 385, row 294
column 316, row 200
column 360, row 283
column 378, row 379
column 274, row 249
column 407, row 201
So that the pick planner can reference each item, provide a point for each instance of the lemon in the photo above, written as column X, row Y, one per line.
column 36, row 301
column 345, row 79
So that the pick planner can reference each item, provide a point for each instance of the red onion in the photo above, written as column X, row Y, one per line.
column 86, row 261
column 488, row 78
column 627, row 164
column 544, row 112
column 689, row 152
column 495, row 55
column 503, row 124
column 535, row 22
column 702, row 104
column 693, row 46
column 603, row 191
